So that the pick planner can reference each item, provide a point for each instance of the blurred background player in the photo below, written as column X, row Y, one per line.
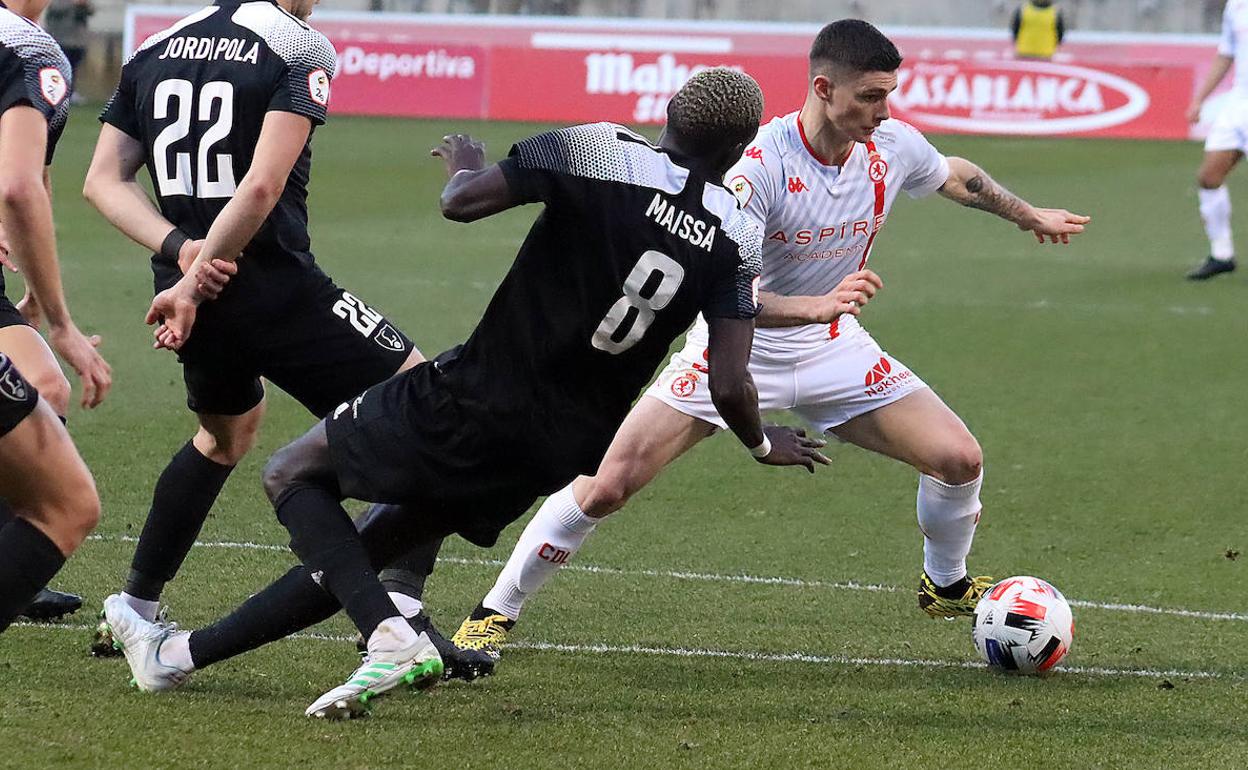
column 249, row 117
column 1226, row 143
column 634, row 242
column 821, row 182
column 1037, row 27
column 49, row 501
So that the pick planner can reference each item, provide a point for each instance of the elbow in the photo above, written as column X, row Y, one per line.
column 454, row 207
column 20, row 191
column 731, row 393
column 262, row 194
column 92, row 189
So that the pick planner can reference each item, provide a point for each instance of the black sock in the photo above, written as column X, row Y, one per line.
column 324, row 538
column 482, row 612
column 291, row 603
column 28, row 560
column 406, row 574
column 184, row 494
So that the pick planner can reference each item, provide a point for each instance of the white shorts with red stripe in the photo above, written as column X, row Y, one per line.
column 825, row 384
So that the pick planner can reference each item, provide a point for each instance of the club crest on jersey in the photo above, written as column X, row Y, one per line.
column 742, row 190
column 12, row 386
column 389, row 339
column 877, row 168
column 53, row 85
column 318, row 87
column 685, row 385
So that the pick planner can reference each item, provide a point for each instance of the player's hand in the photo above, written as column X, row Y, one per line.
column 79, row 351
column 1193, row 113
column 1055, row 224
column 460, row 152
column 851, row 295
column 791, row 446
column 211, row 277
column 173, row 310
column 29, row 307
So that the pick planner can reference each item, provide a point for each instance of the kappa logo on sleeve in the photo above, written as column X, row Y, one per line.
column 318, row 87
column 53, row 85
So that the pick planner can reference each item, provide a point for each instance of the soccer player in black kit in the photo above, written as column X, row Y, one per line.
column 49, row 501
column 634, row 241
column 220, row 108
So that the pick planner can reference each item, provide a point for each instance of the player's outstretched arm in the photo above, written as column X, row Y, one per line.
column 473, row 191
column 971, row 186
column 26, row 210
column 736, row 399
column 851, row 295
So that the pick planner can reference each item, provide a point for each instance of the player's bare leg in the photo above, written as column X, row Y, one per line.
column 1215, row 212
column 651, row 437
column 35, row 360
column 922, row 431
column 55, row 502
column 184, row 495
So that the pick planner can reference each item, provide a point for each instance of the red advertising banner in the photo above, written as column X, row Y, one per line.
column 575, row 70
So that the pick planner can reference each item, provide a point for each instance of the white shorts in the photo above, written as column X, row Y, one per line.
column 1230, row 128
column 830, row 384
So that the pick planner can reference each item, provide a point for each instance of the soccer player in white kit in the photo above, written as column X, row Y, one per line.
column 1226, row 143
column 821, row 182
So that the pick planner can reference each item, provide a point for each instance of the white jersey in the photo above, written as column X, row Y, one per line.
column 820, row 220
column 1234, row 42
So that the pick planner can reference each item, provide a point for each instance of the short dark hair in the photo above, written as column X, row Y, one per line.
column 716, row 107
column 855, row 46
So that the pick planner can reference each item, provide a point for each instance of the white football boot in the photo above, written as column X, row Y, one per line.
column 417, row 665
column 141, row 640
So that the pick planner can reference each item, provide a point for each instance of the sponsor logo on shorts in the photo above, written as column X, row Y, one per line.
column 353, row 405
column 685, row 385
column 882, row 380
column 390, row 339
column 12, row 386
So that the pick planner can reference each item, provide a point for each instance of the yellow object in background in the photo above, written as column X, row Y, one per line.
column 1038, row 33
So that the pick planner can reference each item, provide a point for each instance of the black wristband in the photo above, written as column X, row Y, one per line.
column 172, row 245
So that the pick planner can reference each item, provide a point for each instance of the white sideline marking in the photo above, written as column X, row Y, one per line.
column 712, row 577
column 755, row 657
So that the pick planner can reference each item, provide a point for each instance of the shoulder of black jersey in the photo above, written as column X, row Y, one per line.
column 30, row 43
column 159, row 37
column 604, row 152
column 287, row 36
column 740, row 229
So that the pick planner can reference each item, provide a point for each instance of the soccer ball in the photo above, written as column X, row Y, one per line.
column 1023, row 625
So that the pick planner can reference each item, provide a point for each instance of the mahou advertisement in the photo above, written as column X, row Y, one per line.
column 579, row 70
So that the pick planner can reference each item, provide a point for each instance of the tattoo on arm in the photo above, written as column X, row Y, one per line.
column 984, row 193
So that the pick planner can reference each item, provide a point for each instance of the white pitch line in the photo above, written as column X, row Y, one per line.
column 758, row 657
column 712, row 577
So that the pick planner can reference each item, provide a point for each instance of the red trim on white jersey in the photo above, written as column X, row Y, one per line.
column 801, row 131
column 876, row 223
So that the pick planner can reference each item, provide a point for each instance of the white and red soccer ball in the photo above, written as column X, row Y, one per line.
column 1023, row 625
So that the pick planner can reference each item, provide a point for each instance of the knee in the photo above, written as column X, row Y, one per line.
column 280, row 473
column 961, row 463
column 73, row 514
column 54, row 388
column 227, row 447
column 1209, row 179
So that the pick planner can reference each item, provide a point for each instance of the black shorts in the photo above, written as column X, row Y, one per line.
column 409, row 441
column 317, row 342
column 9, row 315
column 18, row 398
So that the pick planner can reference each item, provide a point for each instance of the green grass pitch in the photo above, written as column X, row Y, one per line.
column 1108, row 395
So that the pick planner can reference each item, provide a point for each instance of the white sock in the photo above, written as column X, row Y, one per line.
column 409, row 606
column 145, row 607
column 557, row 531
column 176, row 652
column 1215, row 210
column 947, row 516
column 391, row 635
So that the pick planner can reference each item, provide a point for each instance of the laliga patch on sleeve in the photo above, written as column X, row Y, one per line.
column 53, row 85
column 318, row 87
column 742, row 189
